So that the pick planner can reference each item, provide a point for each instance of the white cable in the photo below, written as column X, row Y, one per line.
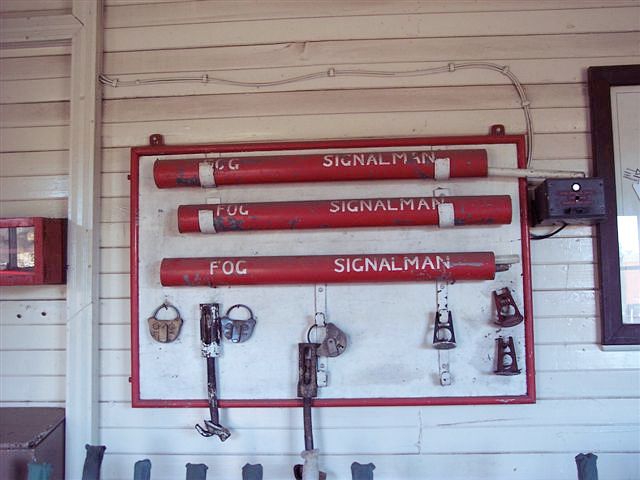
column 333, row 72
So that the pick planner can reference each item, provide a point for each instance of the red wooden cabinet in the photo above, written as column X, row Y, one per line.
column 33, row 251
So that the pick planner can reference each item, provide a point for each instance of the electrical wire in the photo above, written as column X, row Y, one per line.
column 333, row 72
column 548, row 235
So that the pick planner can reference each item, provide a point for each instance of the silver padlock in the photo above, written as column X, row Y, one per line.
column 334, row 343
column 237, row 330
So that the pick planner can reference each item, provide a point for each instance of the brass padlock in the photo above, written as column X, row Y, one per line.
column 165, row 331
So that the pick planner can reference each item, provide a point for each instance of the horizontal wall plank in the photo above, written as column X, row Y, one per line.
column 529, row 72
column 55, row 208
column 35, row 293
column 29, row 337
column 116, row 160
column 21, row 51
column 389, row 440
column 119, row 14
column 582, row 357
column 307, row 127
column 333, row 101
column 500, row 466
column 563, row 330
column 433, row 25
column 34, row 5
column 114, row 235
column 32, row 363
column 564, row 277
column 32, row 91
column 398, row 440
column 33, row 388
column 34, row 138
column 114, row 311
column 545, row 412
column 29, row 68
column 562, row 250
column 35, row 114
column 609, row 384
column 33, row 312
column 577, row 302
column 376, row 52
column 22, row 164
column 114, row 260
column 34, row 188
column 114, row 285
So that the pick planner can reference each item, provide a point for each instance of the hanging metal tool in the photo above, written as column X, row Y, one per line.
column 235, row 330
column 307, row 390
column 506, row 361
column 211, row 348
column 165, row 331
column 444, row 337
column 506, row 308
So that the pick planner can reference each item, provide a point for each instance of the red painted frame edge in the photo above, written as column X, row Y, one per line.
column 518, row 140
column 49, row 251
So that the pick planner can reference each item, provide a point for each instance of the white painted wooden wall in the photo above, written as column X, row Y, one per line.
column 34, row 143
column 588, row 400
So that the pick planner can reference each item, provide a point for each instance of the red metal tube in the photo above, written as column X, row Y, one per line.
column 397, row 267
column 320, row 167
column 371, row 212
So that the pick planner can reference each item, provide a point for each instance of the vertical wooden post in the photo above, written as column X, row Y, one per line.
column 82, row 382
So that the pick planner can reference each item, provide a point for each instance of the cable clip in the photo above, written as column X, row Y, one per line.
column 331, row 72
column 205, row 78
column 452, row 67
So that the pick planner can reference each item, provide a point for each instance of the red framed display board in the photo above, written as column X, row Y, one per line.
column 388, row 318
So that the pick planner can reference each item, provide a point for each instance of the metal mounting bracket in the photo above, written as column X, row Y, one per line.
column 320, row 318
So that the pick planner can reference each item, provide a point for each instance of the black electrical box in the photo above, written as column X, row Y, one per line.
column 574, row 201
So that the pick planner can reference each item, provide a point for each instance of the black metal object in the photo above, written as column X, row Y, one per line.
column 252, row 472
column 587, row 466
column 307, row 385
column 444, row 337
column 307, row 390
column 196, row 471
column 506, row 361
column 210, row 337
column 507, row 311
column 362, row 472
column 574, row 201
column 142, row 470
column 93, row 462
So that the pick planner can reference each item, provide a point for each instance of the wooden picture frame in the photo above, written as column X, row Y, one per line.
column 615, row 332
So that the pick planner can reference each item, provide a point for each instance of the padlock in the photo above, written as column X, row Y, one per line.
column 334, row 343
column 165, row 331
column 235, row 330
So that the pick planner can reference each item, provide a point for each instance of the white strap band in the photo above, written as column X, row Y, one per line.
column 446, row 215
column 442, row 168
column 205, row 221
column 206, row 173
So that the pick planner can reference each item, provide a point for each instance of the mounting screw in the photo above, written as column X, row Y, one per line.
column 156, row 139
column 497, row 130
